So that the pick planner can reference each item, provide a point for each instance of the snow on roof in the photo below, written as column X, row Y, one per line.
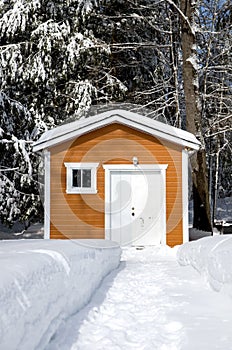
column 136, row 121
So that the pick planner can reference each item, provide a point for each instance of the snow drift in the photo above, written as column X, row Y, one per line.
column 43, row 282
column 212, row 258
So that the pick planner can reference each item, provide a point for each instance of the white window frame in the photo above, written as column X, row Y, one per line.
column 81, row 166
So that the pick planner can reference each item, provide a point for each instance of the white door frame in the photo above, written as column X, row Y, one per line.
column 109, row 168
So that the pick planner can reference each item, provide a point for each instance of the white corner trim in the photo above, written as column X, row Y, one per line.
column 75, row 190
column 47, row 177
column 185, row 219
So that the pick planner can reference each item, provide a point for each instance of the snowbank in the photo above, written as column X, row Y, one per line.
column 43, row 282
column 212, row 258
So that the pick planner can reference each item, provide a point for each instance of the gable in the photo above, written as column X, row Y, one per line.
column 135, row 121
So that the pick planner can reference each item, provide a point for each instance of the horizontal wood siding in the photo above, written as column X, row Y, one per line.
column 82, row 216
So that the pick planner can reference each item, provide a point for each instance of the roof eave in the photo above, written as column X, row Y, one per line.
column 92, row 125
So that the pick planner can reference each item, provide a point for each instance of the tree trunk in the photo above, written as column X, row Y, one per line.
column 201, row 219
column 215, row 189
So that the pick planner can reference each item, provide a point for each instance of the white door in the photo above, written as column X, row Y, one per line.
column 137, row 207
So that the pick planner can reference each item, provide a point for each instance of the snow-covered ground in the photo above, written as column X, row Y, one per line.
column 43, row 282
column 151, row 303
column 224, row 209
column 18, row 231
column 212, row 258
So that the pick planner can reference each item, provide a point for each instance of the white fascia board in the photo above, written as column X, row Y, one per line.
column 70, row 131
column 159, row 126
column 162, row 133
column 69, row 127
column 75, row 129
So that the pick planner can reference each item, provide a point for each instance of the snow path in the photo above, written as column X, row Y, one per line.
column 150, row 303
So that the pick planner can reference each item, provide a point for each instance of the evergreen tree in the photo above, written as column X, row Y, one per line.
column 59, row 58
column 47, row 71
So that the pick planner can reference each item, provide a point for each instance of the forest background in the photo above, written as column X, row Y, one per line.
column 168, row 59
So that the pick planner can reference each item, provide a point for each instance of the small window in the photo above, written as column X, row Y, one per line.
column 81, row 177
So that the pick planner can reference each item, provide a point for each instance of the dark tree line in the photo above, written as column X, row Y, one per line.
column 59, row 58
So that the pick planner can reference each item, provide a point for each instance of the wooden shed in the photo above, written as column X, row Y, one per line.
column 117, row 175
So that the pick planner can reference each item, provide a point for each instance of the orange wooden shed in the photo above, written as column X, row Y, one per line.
column 117, row 175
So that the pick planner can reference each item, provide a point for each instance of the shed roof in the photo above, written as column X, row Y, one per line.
column 136, row 121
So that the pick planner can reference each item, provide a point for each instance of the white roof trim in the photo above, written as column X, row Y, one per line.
column 144, row 124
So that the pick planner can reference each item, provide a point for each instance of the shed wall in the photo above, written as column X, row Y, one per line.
column 82, row 215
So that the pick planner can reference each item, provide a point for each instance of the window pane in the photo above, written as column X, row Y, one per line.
column 76, row 177
column 86, row 178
